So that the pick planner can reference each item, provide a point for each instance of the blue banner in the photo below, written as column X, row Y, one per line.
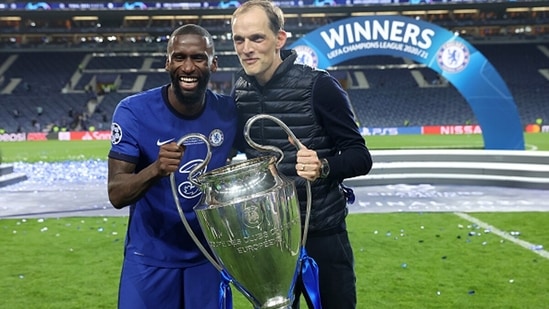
column 439, row 49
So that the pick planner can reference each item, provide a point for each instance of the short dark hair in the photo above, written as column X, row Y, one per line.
column 194, row 29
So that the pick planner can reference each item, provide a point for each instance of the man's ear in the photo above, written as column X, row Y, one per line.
column 213, row 66
column 281, row 38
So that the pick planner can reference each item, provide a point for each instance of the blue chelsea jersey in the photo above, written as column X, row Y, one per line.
column 141, row 124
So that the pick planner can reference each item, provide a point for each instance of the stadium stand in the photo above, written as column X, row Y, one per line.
column 397, row 107
column 395, row 96
column 84, row 66
column 382, row 91
column 525, row 69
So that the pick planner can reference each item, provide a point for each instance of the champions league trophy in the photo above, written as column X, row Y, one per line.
column 249, row 214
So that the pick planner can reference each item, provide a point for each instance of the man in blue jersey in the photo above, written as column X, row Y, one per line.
column 163, row 267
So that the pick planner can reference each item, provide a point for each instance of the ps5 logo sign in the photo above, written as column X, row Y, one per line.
column 379, row 131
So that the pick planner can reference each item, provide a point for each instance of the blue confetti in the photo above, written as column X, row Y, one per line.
column 60, row 173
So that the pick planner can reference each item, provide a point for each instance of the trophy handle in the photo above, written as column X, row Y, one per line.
column 271, row 148
column 195, row 182
column 193, row 179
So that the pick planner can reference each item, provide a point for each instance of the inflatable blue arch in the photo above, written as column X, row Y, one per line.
column 439, row 49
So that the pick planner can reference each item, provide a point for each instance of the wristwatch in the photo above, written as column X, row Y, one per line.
column 324, row 168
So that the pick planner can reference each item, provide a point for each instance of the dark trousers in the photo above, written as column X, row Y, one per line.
column 334, row 257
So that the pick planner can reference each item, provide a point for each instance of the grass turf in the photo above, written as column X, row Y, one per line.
column 403, row 260
column 79, row 150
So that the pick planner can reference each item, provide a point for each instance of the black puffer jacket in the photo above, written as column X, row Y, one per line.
column 288, row 96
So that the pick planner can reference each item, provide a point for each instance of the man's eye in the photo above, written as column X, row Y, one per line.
column 257, row 38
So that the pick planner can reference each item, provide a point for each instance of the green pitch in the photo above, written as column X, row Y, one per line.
column 403, row 260
column 82, row 150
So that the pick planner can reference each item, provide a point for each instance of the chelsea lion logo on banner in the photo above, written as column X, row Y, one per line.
column 453, row 57
column 306, row 55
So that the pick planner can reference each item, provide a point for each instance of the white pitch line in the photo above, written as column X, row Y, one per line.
column 503, row 234
column 531, row 147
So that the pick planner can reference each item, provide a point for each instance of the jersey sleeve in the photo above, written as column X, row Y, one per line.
column 124, row 134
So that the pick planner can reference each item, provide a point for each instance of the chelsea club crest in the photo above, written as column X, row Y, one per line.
column 306, row 55
column 453, row 57
column 216, row 138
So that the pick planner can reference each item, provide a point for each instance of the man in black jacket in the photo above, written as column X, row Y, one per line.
column 317, row 110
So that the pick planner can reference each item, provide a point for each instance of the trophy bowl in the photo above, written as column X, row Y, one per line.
column 249, row 214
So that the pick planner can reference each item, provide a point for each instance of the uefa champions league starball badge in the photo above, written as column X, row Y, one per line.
column 453, row 57
column 116, row 133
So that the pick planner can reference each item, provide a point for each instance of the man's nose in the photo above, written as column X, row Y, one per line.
column 247, row 46
column 188, row 65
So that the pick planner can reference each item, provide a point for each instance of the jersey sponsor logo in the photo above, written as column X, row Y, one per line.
column 116, row 133
column 186, row 189
column 216, row 138
column 160, row 143
column 453, row 57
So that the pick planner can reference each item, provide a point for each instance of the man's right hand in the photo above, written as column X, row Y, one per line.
column 169, row 158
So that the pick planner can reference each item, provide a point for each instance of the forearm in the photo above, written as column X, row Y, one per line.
column 353, row 157
column 350, row 163
column 125, row 189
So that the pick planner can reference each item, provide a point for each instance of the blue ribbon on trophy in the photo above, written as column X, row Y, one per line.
column 309, row 275
column 225, row 293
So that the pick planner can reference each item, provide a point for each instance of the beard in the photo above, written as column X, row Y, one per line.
column 191, row 97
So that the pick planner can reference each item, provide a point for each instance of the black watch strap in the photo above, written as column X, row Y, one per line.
column 324, row 168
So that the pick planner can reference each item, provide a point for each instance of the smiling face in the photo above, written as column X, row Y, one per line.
column 190, row 62
column 255, row 43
